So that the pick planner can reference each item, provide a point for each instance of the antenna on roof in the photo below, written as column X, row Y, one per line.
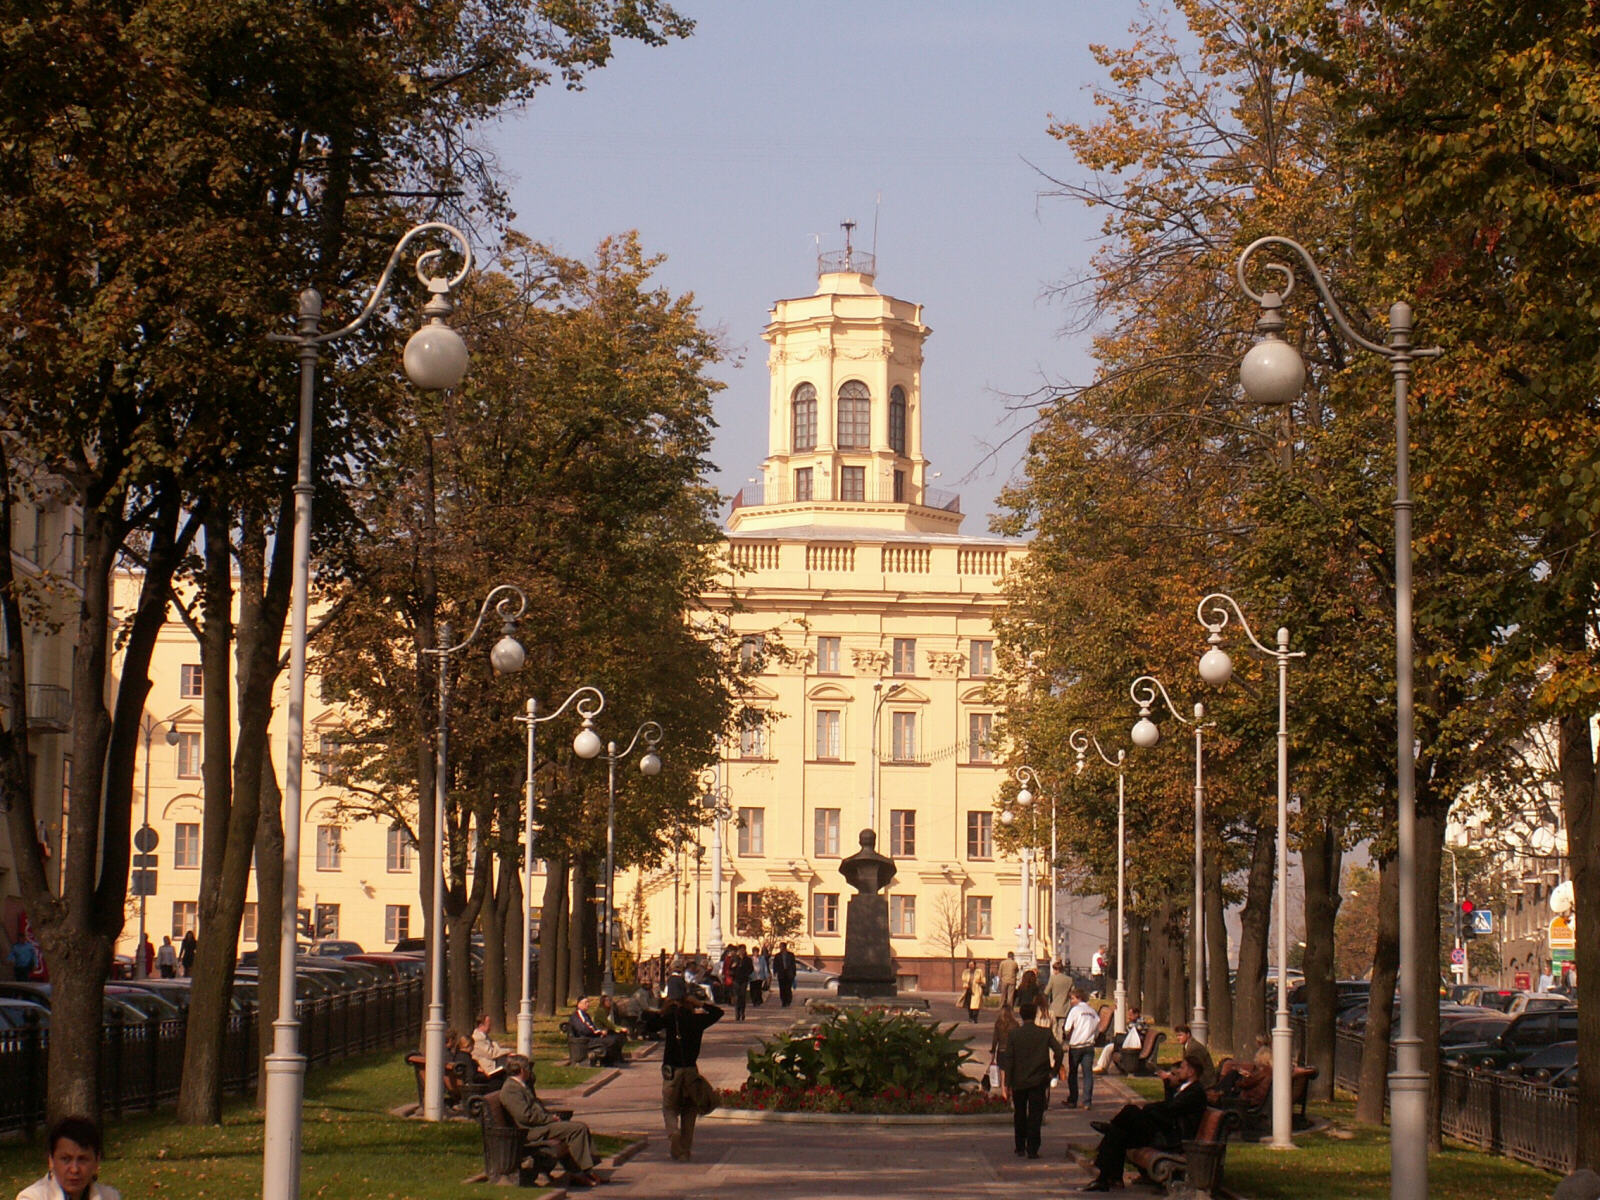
column 877, row 208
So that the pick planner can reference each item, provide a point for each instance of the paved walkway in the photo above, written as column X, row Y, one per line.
column 736, row 1161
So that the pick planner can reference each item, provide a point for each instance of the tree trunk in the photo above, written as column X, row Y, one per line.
column 1219, row 993
column 462, row 908
column 563, row 987
column 1250, row 983
column 269, row 921
column 577, row 937
column 511, row 955
column 1430, row 851
column 1583, row 842
column 1159, row 970
column 1136, row 957
column 552, row 975
column 1178, row 956
column 1380, row 1006
column 1320, row 860
column 494, row 949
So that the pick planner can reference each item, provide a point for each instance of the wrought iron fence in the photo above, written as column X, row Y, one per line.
column 141, row 1063
column 1530, row 1122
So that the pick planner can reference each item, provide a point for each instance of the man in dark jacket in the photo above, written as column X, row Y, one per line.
column 683, row 1021
column 1035, row 1059
column 783, row 968
column 538, row 1123
column 1165, row 1123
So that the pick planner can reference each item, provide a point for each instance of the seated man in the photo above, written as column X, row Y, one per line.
column 537, row 1123
column 584, row 1026
column 1164, row 1123
column 1189, row 1048
column 489, row 1054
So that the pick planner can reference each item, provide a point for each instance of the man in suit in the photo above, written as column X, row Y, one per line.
column 537, row 1123
column 1035, row 1059
column 1008, row 978
column 609, row 1042
column 1164, row 1123
column 783, row 968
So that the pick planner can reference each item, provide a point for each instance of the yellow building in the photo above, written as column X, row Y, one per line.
column 877, row 710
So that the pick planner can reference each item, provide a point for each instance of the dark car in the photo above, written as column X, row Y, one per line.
column 1539, row 1066
column 333, row 948
column 1523, row 1036
column 20, row 1014
column 1472, row 1030
column 410, row 945
column 1345, row 993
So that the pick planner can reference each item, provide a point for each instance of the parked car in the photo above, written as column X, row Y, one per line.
column 19, row 1014
column 1345, row 993
column 112, row 1008
column 810, row 977
column 1567, row 1078
column 1496, row 998
column 1541, row 1064
column 333, row 948
column 147, row 1002
column 411, row 945
column 1472, row 1030
column 1523, row 1036
column 398, row 966
column 1539, row 1002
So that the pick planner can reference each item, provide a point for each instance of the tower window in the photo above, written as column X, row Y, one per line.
column 855, row 416
column 899, row 487
column 803, row 433
column 897, row 420
column 802, row 483
column 852, row 483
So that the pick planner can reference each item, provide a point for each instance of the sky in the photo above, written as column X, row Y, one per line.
column 731, row 151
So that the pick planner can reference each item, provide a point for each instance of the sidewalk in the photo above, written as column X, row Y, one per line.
column 761, row 1161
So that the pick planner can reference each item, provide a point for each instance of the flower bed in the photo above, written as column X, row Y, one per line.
column 891, row 1101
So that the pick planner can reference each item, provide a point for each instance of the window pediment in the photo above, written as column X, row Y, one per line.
column 831, row 693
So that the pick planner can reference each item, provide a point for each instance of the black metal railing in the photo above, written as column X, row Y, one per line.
column 141, row 1063
column 1530, row 1122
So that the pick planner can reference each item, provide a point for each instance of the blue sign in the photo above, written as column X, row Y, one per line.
column 1482, row 921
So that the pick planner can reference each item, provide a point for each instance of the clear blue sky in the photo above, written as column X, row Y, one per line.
column 729, row 151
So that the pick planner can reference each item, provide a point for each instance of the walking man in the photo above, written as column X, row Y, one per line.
column 1008, row 979
column 1079, row 1031
column 783, row 967
column 1035, row 1057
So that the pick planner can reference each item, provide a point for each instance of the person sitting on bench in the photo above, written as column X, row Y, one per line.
column 539, row 1124
column 586, row 1028
column 489, row 1054
column 1164, row 1123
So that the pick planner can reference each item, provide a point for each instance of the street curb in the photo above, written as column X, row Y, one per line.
column 756, row 1116
column 594, row 1085
column 628, row 1151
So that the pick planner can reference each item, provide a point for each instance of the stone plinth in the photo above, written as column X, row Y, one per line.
column 868, row 965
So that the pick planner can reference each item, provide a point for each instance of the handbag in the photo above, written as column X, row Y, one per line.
column 702, row 1094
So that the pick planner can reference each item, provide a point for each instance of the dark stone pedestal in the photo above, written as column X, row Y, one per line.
column 868, row 965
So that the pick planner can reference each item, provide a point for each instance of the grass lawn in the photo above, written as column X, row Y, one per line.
column 352, row 1148
column 1357, row 1168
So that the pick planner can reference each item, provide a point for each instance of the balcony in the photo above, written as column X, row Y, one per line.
column 49, row 708
column 874, row 491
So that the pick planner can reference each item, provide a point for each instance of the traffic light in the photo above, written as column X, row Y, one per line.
column 327, row 922
column 1468, row 929
column 304, row 923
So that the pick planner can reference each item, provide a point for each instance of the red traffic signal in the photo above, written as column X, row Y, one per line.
column 1468, row 908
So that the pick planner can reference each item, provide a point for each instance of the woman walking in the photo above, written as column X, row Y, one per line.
column 972, row 984
column 1000, row 1046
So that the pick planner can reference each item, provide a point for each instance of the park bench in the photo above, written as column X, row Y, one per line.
column 581, row 1048
column 1143, row 1060
column 1258, row 1118
column 1200, row 1161
column 506, row 1156
column 464, row 1095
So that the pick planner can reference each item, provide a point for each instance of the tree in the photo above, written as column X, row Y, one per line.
column 947, row 925
column 782, row 914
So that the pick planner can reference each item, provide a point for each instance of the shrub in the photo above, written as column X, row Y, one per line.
column 863, row 1053
column 832, row 1100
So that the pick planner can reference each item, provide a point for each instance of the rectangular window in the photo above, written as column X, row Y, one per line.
column 185, row 917
column 826, row 840
column 829, row 743
column 899, row 487
column 803, row 431
column 905, row 656
column 330, row 760
column 752, row 831
column 902, row 916
column 247, row 922
column 827, row 656
column 852, row 483
column 980, row 659
column 980, row 835
column 752, row 649
column 327, row 925
column 753, row 740
column 903, row 737
column 328, row 848
column 747, row 914
column 191, row 683
column 399, row 850
column 980, row 916
column 980, row 737
column 802, row 483
column 188, row 756
column 186, row 847
column 396, row 922
column 825, row 913
column 903, row 832
column 855, row 417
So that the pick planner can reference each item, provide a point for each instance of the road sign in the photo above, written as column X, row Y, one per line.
column 1458, row 957
column 142, row 883
column 1482, row 921
column 144, row 862
column 146, row 839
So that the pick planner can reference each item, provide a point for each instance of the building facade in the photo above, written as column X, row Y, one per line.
column 870, row 614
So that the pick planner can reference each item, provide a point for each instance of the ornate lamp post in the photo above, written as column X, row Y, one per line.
column 1272, row 373
column 717, row 803
column 1080, row 741
column 435, row 358
column 649, row 764
column 145, row 841
column 1216, row 668
column 507, row 658
column 589, row 701
column 1029, row 779
column 1144, row 691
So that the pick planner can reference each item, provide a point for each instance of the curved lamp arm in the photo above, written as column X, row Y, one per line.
column 590, row 701
column 1028, row 778
column 1144, row 691
column 1081, row 739
column 438, row 285
column 509, row 594
column 650, row 731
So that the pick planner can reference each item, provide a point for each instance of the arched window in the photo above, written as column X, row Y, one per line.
column 855, row 416
column 803, row 426
column 897, row 420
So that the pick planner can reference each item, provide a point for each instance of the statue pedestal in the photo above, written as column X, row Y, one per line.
column 868, row 970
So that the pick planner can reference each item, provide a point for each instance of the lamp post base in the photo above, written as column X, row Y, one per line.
column 280, row 1176
column 1408, row 1122
column 1282, row 1084
column 525, row 1027
column 1121, row 996
column 1199, row 1027
column 433, row 1065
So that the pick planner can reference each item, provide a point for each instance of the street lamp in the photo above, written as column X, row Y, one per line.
column 649, row 764
column 1272, row 373
column 506, row 657
column 435, row 358
column 1080, row 740
column 1029, row 779
column 145, row 841
column 1216, row 668
column 716, row 801
column 589, row 701
column 1145, row 734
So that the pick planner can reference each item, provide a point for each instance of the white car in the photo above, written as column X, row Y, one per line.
column 810, row 977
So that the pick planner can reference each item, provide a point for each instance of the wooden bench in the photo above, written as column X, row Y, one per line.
column 1258, row 1117
column 464, row 1095
column 506, row 1156
column 1200, row 1161
column 1143, row 1060
column 581, row 1048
